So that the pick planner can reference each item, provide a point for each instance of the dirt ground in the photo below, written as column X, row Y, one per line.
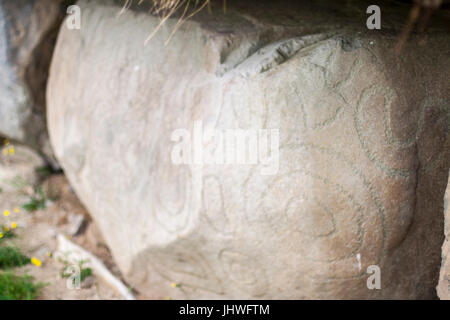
column 37, row 231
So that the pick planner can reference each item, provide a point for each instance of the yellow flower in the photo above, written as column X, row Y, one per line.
column 6, row 229
column 49, row 254
column 16, row 210
column 1, row 235
column 36, row 262
column 175, row 285
column 6, row 213
column 5, row 151
column 11, row 150
column 14, row 225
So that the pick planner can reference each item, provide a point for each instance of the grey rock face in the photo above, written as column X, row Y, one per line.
column 443, row 287
column 28, row 30
column 363, row 151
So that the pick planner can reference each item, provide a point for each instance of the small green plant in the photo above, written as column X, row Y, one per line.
column 6, row 233
column 19, row 182
column 37, row 202
column 13, row 287
column 11, row 257
column 84, row 272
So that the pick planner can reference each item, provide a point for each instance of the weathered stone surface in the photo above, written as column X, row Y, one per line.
column 443, row 288
column 28, row 30
column 363, row 158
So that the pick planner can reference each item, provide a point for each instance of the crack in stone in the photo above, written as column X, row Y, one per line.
column 272, row 55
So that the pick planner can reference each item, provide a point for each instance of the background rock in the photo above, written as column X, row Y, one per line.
column 364, row 149
column 28, row 30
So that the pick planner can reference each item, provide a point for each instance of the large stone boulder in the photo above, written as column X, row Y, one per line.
column 28, row 30
column 362, row 161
